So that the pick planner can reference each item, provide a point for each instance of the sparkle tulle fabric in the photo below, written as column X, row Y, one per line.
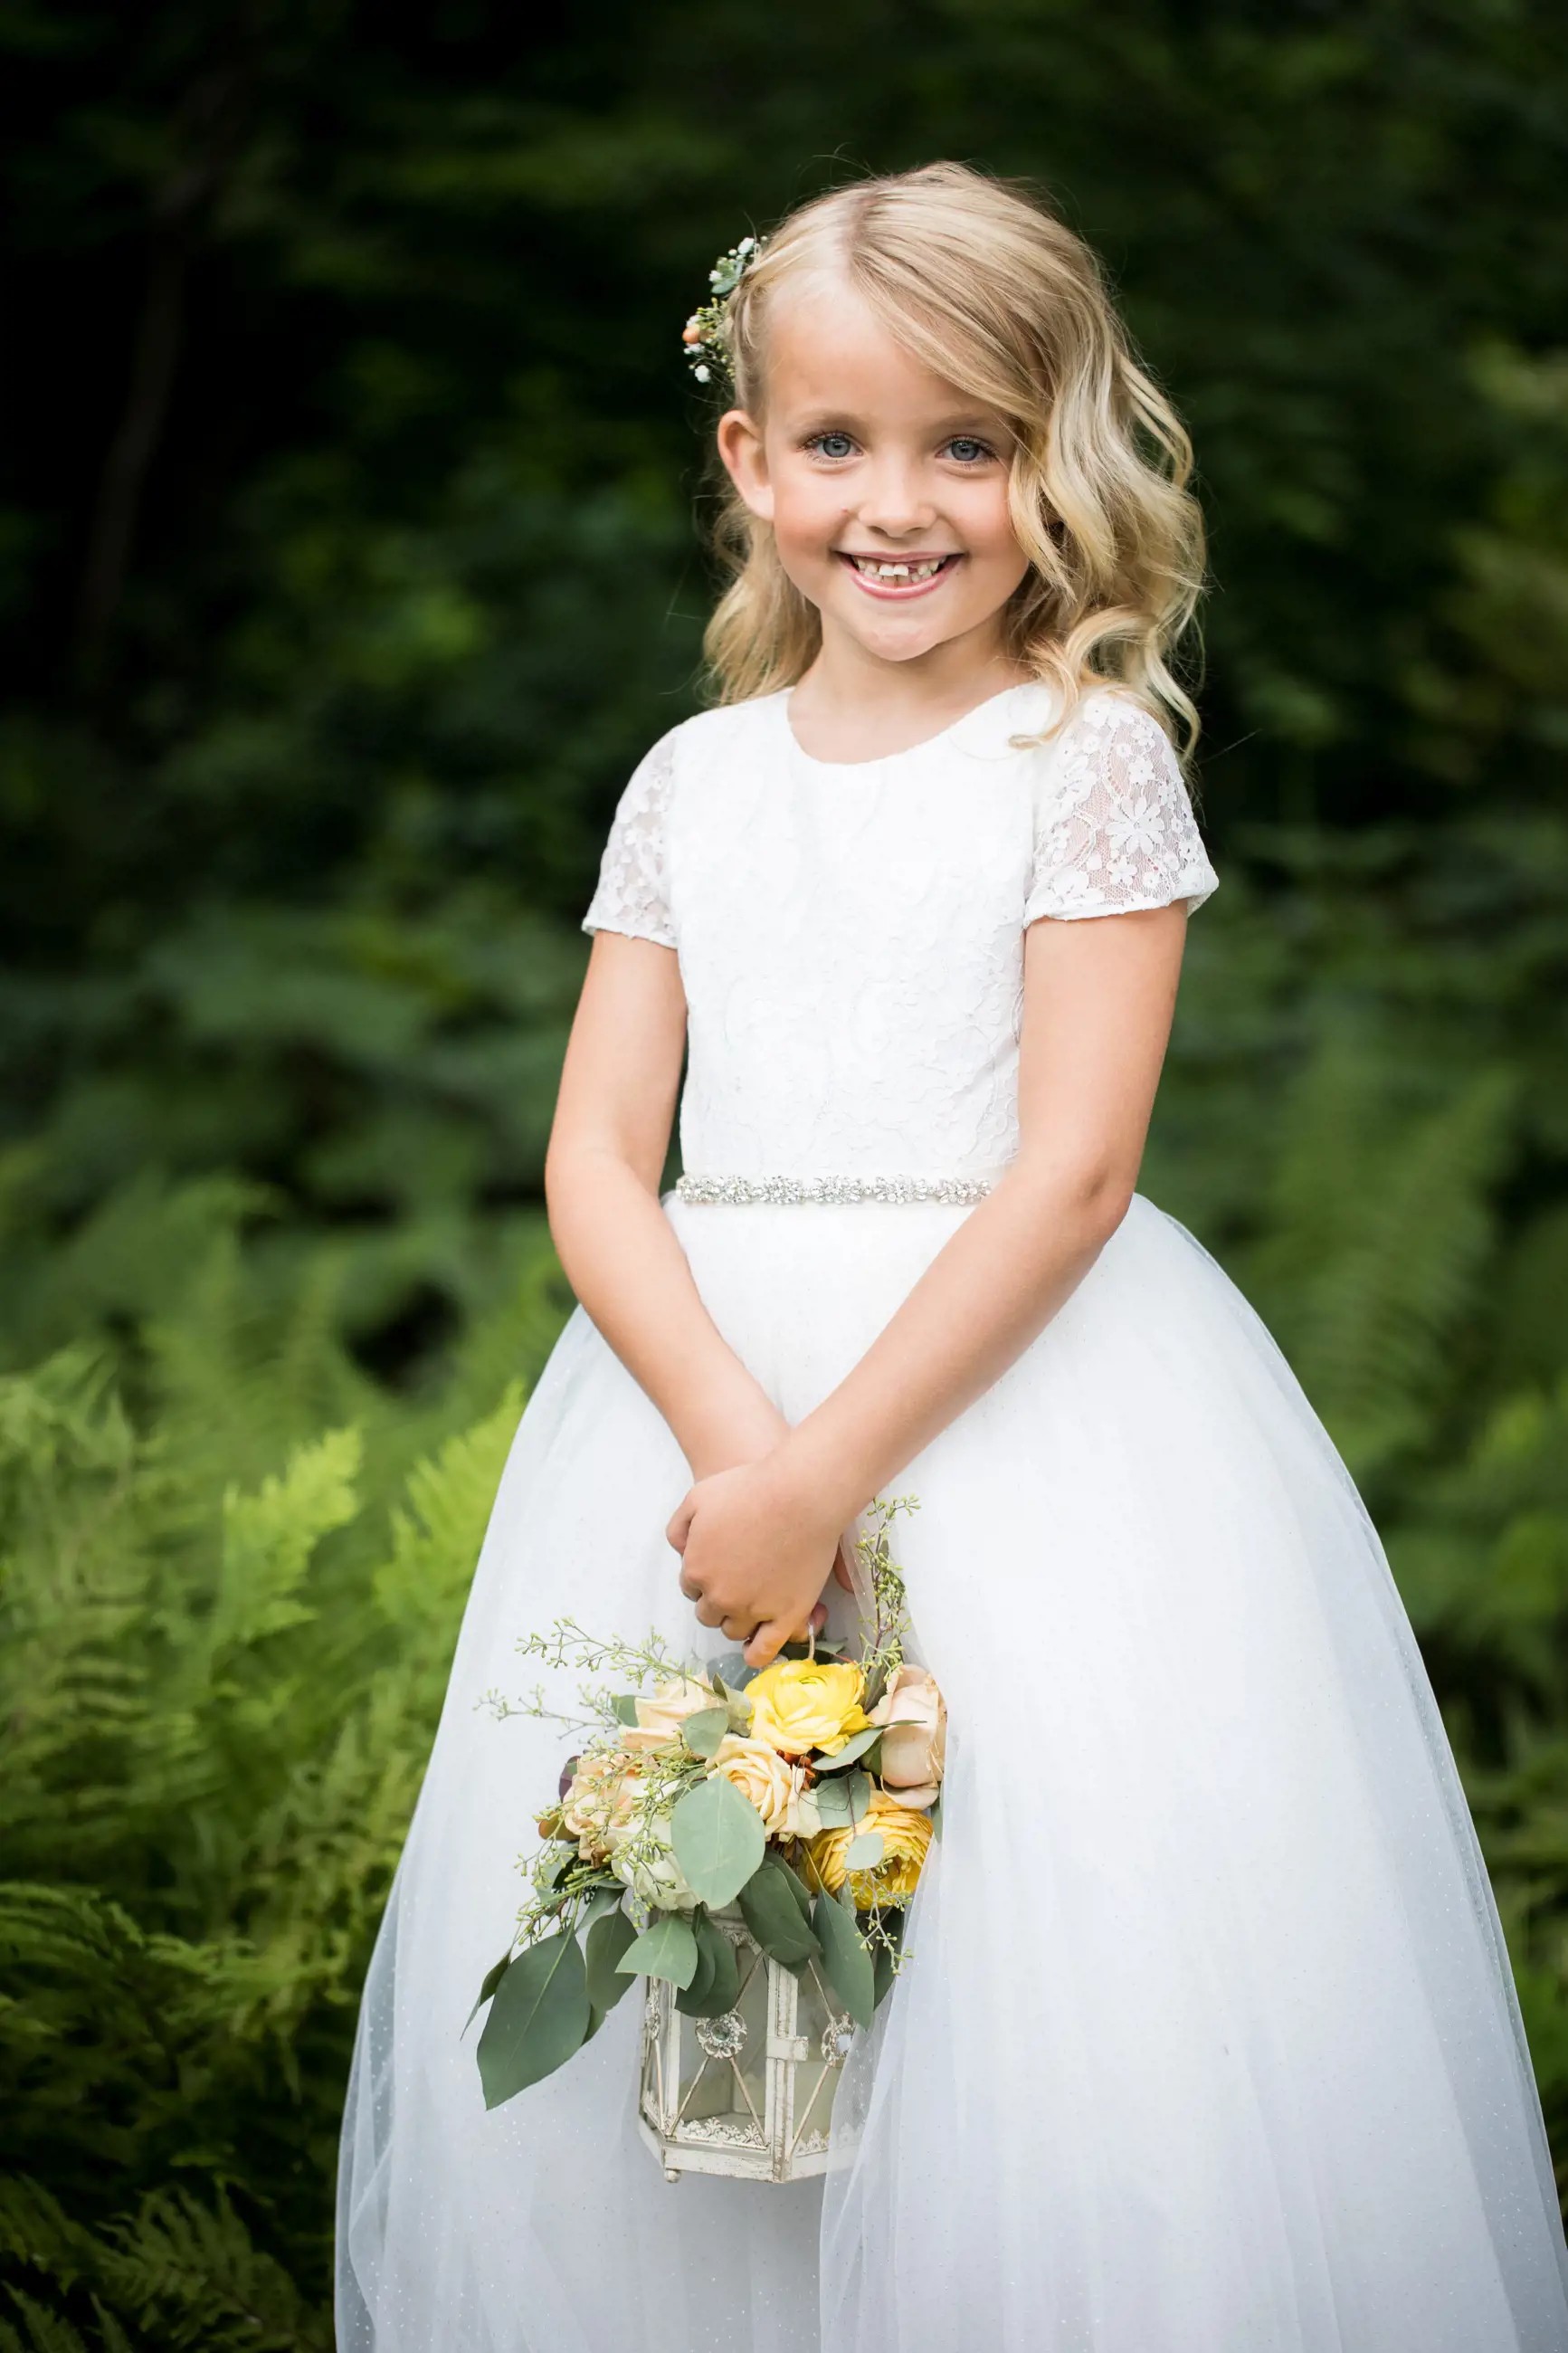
column 1209, row 2043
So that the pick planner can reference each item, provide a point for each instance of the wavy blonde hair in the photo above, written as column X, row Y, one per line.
column 981, row 281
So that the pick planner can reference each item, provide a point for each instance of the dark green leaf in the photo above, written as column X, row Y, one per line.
column 702, row 1976
column 488, row 1984
column 538, row 2018
column 936, row 1818
column 608, row 1940
column 793, row 1880
column 666, row 1948
column 714, row 1988
column 775, row 1919
column 846, row 1960
column 883, row 1972
column 719, row 1840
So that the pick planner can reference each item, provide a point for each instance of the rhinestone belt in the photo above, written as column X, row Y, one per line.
column 789, row 1192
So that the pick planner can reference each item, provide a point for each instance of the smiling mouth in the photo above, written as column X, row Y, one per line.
column 897, row 574
column 897, row 571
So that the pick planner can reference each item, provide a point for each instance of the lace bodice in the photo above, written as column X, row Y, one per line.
column 851, row 937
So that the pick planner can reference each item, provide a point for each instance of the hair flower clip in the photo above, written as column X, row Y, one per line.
column 705, row 335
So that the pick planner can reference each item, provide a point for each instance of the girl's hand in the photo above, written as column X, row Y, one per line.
column 755, row 1557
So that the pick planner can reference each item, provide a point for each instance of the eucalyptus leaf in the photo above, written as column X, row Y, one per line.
column 733, row 1670
column 719, row 1840
column 833, row 1804
column 862, row 1743
column 539, row 2017
column 666, row 1948
column 739, row 1708
column 488, row 1984
column 609, row 1939
column 716, row 1987
column 865, row 1851
column 626, row 1707
column 725, row 1989
column 858, row 1786
column 936, row 1817
column 692, row 1998
column 846, row 1960
column 704, row 1730
column 793, row 1880
column 775, row 1918
column 883, row 1972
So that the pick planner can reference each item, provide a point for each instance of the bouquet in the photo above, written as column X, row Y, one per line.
column 806, row 1794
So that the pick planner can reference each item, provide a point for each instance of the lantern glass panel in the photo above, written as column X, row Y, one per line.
column 723, row 2061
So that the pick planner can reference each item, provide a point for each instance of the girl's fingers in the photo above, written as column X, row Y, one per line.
column 767, row 1643
column 679, row 1527
column 841, row 1570
column 739, row 1629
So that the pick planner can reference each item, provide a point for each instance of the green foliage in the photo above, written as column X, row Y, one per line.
column 219, row 1691
column 318, row 700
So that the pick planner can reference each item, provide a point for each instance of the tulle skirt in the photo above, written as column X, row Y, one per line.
column 1207, row 2043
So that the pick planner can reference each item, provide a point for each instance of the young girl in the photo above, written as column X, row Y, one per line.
column 1207, row 2040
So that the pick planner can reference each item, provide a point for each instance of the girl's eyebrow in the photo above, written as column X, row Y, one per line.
column 978, row 421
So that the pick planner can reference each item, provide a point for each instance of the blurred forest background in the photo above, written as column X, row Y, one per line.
column 347, row 566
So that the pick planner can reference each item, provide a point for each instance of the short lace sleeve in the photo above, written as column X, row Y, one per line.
column 1116, row 832
column 631, row 896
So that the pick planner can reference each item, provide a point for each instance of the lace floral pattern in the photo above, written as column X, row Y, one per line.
column 1118, row 830
column 851, row 937
column 631, row 896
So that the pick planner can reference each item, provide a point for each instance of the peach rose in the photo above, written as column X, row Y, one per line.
column 659, row 1718
column 770, row 1783
column 914, row 1739
column 599, row 1799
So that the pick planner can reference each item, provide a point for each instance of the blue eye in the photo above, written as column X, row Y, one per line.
column 967, row 450
column 832, row 445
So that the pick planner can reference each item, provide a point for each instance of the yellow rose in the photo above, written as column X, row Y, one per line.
column 914, row 1739
column 659, row 1719
column 770, row 1783
column 906, row 1835
column 599, row 1799
column 799, row 1704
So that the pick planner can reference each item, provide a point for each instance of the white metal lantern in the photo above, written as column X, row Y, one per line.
column 749, row 2094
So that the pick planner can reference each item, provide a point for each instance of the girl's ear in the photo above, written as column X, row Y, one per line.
column 745, row 457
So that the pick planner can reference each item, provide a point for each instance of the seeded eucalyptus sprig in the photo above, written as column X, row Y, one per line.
column 883, row 1632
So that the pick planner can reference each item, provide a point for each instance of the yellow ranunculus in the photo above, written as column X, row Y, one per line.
column 799, row 1704
column 906, row 1835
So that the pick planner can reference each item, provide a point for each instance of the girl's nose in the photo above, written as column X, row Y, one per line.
column 896, row 503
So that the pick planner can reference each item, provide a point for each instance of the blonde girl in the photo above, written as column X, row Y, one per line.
column 1207, row 2041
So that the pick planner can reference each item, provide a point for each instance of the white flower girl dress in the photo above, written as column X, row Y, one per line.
column 1208, row 2043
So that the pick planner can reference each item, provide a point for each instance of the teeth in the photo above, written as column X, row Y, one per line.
column 897, row 572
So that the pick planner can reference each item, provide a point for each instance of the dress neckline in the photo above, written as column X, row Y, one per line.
column 954, row 728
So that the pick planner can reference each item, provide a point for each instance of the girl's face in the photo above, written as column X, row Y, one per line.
column 886, row 486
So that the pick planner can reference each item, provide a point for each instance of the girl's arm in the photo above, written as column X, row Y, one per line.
column 1098, row 997
column 607, row 1148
